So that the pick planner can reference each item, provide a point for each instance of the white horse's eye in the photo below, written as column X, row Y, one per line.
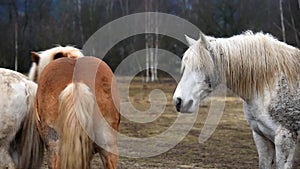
column 208, row 81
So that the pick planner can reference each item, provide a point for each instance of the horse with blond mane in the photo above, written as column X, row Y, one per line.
column 261, row 70
column 41, row 59
column 76, row 108
column 20, row 144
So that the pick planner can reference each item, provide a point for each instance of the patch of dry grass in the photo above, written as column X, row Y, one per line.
column 230, row 146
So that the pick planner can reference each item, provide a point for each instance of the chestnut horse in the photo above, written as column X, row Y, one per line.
column 20, row 144
column 72, row 94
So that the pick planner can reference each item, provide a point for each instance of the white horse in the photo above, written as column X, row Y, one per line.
column 261, row 70
column 41, row 59
column 20, row 144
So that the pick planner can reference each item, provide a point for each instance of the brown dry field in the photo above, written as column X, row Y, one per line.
column 230, row 146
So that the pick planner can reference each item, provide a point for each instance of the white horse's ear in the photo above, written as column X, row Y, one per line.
column 35, row 57
column 203, row 40
column 189, row 40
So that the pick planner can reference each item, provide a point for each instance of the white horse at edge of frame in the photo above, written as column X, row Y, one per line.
column 261, row 70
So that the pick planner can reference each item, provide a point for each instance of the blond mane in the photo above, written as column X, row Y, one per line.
column 47, row 56
column 249, row 62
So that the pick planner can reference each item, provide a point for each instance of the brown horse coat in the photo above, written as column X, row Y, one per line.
column 55, row 81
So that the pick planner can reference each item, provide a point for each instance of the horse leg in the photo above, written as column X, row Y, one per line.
column 285, row 144
column 110, row 160
column 8, row 126
column 109, row 154
column 5, row 159
column 53, row 157
column 266, row 151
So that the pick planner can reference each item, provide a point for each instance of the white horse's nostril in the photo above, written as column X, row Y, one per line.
column 189, row 104
column 178, row 103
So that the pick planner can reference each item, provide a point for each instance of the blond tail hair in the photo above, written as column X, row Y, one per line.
column 76, row 107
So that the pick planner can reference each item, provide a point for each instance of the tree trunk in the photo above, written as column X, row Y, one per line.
column 147, row 61
column 147, row 44
column 151, row 58
column 282, row 21
column 293, row 24
column 80, row 21
column 16, row 38
column 151, row 40
column 16, row 44
column 156, row 48
column 124, row 7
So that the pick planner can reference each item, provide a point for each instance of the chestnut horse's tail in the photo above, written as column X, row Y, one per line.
column 76, row 107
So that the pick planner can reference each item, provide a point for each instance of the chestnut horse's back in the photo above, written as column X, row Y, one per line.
column 66, row 102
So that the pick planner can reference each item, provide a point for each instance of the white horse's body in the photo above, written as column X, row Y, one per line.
column 264, row 73
column 19, row 141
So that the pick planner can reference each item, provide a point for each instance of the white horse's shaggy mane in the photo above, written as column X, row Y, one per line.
column 249, row 62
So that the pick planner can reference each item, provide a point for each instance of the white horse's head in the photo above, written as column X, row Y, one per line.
column 41, row 59
column 195, row 84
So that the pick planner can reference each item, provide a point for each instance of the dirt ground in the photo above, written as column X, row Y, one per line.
column 230, row 146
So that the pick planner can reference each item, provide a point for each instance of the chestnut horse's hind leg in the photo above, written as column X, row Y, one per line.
column 53, row 157
column 5, row 159
column 110, row 160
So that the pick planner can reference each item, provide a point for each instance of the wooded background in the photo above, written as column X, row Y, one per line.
column 34, row 25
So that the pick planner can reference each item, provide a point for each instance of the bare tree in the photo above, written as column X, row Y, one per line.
column 293, row 24
column 151, row 42
column 80, row 20
column 147, row 37
column 154, row 77
column 124, row 7
column 14, row 7
column 282, row 21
